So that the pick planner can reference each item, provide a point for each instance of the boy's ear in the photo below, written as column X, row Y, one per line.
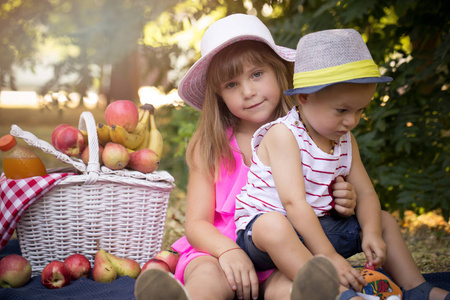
column 302, row 98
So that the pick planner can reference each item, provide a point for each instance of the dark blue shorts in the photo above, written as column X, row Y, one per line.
column 343, row 233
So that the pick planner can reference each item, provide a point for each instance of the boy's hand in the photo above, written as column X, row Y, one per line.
column 374, row 249
column 344, row 197
column 240, row 273
column 348, row 276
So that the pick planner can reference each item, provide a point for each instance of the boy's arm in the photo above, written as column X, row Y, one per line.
column 368, row 208
column 280, row 151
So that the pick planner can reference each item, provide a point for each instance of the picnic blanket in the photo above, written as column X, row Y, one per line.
column 120, row 289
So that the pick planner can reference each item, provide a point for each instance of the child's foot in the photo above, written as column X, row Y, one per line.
column 316, row 280
column 159, row 285
column 426, row 291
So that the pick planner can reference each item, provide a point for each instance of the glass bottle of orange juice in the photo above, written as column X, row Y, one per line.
column 19, row 161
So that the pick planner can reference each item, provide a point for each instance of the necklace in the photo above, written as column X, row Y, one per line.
column 333, row 143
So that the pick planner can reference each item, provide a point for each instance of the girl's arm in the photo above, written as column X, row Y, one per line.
column 368, row 210
column 279, row 150
column 204, row 236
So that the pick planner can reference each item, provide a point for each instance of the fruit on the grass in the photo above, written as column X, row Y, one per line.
column 115, row 156
column 15, row 271
column 85, row 154
column 169, row 257
column 103, row 270
column 155, row 263
column 68, row 139
column 124, row 113
column 144, row 160
column 79, row 266
column 55, row 275
column 124, row 266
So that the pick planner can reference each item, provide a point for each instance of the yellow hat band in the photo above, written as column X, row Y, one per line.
column 358, row 69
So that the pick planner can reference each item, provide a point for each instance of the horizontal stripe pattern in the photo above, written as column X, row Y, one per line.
column 320, row 170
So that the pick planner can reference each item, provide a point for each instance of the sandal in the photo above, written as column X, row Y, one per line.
column 316, row 280
column 159, row 285
column 421, row 291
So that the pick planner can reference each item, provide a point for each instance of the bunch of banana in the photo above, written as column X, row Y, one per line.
column 134, row 139
column 103, row 133
column 153, row 139
column 156, row 140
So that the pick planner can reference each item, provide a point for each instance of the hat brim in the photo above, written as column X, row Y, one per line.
column 192, row 87
column 316, row 88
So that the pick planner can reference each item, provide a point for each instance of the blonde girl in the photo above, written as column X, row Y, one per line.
column 238, row 85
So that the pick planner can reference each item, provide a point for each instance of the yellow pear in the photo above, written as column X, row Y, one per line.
column 103, row 270
column 124, row 266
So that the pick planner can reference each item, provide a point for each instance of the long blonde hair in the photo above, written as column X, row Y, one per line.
column 210, row 141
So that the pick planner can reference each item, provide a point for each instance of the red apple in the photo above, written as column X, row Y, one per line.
column 144, row 160
column 124, row 113
column 169, row 257
column 115, row 156
column 55, row 275
column 68, row 139
column 85, row 154
column 79, row 266
column 155, row 264
column 15, row 271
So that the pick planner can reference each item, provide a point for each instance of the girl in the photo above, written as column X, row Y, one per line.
column 238, row 85
column 335, row 79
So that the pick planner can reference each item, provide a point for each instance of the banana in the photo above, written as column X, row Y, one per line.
column 141, row 113
column 85, row 136
column 146, row 109
column 132, row 139
column 103, row 133
column 156, row 139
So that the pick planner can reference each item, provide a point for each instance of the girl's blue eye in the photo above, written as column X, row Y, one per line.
column 257, row 74
column 230, row 85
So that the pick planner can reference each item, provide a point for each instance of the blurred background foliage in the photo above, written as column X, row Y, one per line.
column 403, row 137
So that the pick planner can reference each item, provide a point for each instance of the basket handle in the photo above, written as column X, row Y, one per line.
column 87, row 123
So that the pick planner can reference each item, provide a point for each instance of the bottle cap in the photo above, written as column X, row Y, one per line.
column 7, row 142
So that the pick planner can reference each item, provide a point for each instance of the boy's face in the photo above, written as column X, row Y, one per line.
column 335, row 110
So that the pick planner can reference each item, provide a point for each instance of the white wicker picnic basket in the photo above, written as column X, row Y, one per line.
column 124, row 210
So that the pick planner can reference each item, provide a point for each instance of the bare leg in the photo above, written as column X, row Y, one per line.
column 204, row 279
column 286, row 250
column 276, row 287
column 400, row 264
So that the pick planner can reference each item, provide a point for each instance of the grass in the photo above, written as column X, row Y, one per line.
column 427, row 236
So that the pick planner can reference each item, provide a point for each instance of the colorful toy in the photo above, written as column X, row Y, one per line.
column 379, row 284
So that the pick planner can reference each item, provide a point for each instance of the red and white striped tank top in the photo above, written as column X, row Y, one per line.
column 320, row 170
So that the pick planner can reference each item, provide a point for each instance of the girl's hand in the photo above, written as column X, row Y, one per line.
column 375, row 249
column 240, row 273
column 348, row 276
column 344, row 197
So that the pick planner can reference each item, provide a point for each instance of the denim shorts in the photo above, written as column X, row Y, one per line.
column 343, row 233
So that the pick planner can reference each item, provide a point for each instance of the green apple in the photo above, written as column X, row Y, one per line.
column 15, row 271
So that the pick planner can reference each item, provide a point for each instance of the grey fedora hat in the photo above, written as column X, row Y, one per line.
column 333, row 56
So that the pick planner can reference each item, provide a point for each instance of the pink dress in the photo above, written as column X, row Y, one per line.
column 226, row 190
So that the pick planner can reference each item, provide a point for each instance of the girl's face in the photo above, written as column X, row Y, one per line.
column 335, row 110
column 253, row 95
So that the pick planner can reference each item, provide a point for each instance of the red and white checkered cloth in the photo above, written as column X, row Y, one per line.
column 17, row 195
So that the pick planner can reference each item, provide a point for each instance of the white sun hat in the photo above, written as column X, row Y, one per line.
column 224, row 32
column 333, row 56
